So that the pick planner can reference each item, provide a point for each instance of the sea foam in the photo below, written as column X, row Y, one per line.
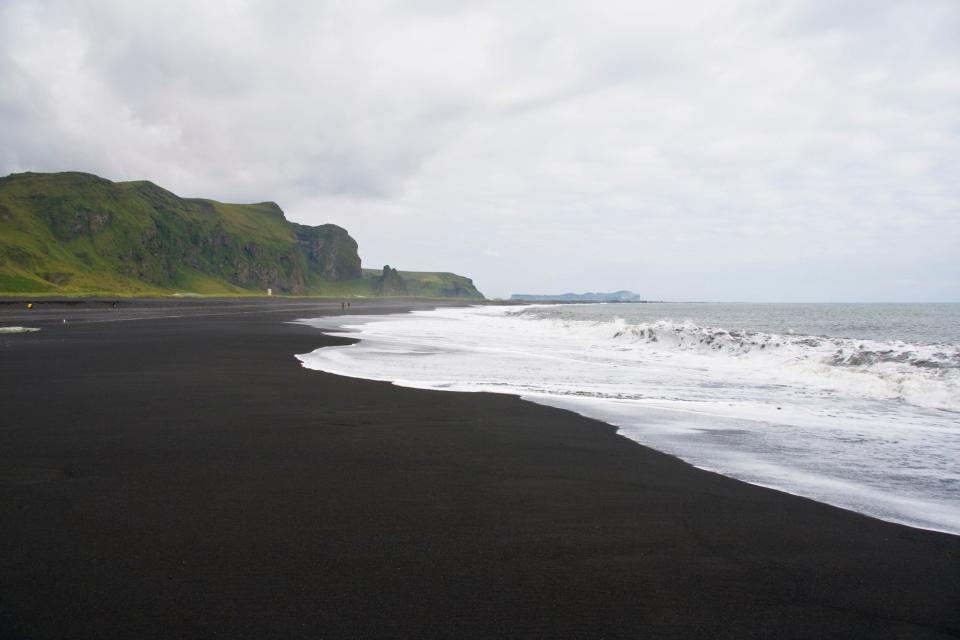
column 18, row 329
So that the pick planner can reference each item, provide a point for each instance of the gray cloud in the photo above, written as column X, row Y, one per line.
column 696, row 150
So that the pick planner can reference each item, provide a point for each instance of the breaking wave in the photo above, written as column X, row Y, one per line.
column 927, row 375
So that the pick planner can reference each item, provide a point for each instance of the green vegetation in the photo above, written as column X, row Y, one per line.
column 77, row 234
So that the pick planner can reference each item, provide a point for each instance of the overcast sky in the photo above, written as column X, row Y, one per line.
column 782, row 151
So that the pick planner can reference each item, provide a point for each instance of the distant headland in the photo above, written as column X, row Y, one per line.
column 616, row 296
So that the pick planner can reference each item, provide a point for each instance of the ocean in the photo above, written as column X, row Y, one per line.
column 854, row 405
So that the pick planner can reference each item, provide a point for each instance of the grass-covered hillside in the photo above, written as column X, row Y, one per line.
column 77, row 234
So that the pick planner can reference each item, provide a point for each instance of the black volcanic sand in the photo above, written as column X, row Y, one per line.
column 185, row 477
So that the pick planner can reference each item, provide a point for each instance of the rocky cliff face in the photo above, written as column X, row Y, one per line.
column 78, row 231
column 331, row 249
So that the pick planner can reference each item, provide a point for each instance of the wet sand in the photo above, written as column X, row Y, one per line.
column 168, row 469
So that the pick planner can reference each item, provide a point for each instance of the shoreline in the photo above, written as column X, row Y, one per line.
column 910, row 511
column 770, row 487
column 186, row 476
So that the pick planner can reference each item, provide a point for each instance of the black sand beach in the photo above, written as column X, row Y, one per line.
column 185, row 477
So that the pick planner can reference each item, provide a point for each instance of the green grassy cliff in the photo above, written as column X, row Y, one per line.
column 77, row 234
column 423, row 284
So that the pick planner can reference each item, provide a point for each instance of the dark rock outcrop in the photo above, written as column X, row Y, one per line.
column 390, row 283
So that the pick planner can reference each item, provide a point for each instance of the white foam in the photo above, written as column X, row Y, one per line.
column 18, row 329
column 869, row 426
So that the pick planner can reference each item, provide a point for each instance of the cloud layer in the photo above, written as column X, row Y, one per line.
column 696, row 150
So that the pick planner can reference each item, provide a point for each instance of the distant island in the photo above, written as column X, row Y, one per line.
column 78, row 234
column 616, row 296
